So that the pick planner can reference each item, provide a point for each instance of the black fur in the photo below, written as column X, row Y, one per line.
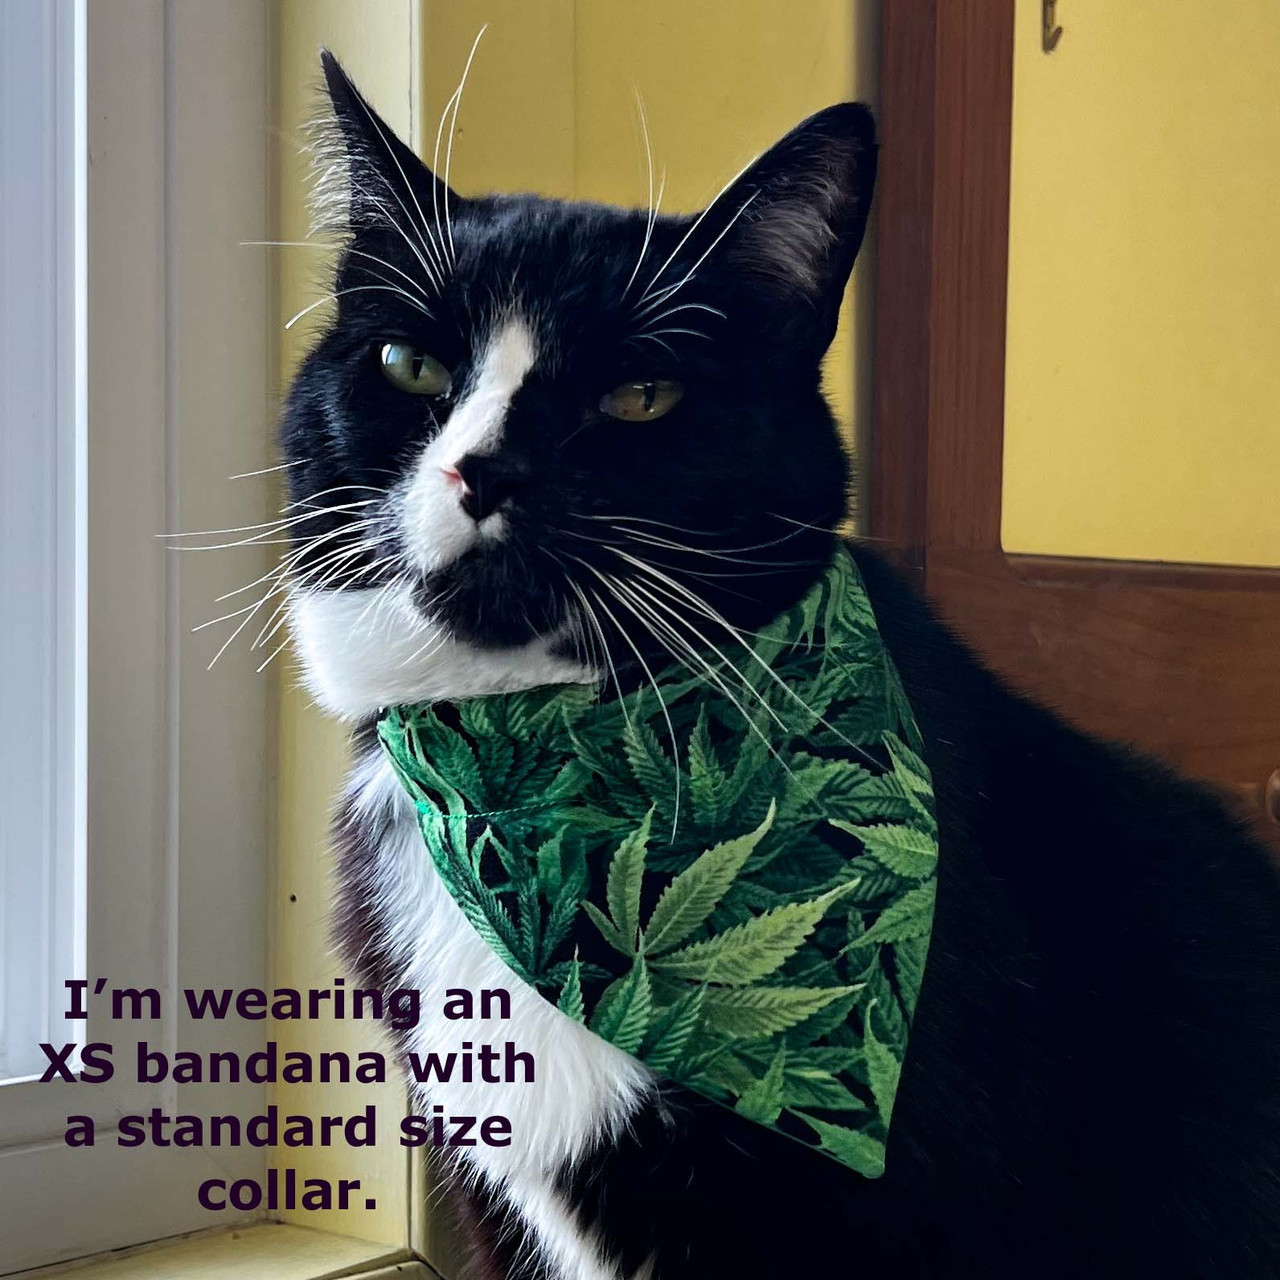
column 747, row 453
column 1091, row 1086
column 1091, row 1082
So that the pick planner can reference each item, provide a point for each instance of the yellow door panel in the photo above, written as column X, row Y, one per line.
column 1142, row 415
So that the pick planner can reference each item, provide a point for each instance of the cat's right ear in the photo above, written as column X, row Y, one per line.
column 365, row 177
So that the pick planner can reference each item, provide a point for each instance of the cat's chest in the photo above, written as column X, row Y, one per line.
column 413, row 934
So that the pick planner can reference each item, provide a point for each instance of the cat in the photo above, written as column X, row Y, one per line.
column 521, row 403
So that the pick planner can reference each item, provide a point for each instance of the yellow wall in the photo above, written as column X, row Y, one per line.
column 1143, row 388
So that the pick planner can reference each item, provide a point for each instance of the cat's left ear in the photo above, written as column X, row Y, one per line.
column 366, row 175
column 804, row 207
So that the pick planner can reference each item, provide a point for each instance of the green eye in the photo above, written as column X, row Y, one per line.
column 414, row 371
column 642, row 401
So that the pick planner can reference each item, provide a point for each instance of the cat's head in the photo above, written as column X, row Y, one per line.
column 540, row 439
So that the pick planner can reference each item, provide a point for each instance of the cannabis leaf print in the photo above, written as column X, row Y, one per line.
column 747, row 913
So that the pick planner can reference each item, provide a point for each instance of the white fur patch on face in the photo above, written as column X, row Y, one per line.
column 584, row 1089
column 364, row 650
column 434, row 527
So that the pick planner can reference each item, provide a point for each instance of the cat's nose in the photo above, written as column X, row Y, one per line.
column 487, row 482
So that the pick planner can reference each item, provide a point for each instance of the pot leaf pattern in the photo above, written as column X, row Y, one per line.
column 735, row 884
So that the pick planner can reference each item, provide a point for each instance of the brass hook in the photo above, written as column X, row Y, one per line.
column 1050, row 32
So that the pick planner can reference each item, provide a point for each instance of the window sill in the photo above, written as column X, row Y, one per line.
column 267, row 1251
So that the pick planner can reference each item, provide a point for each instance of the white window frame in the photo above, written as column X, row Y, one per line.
column 42, row 552
column 175, row 757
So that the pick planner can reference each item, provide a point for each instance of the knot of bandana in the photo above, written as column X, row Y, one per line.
column 729, row 876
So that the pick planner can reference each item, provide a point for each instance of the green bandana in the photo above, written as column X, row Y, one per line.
column 735, row 885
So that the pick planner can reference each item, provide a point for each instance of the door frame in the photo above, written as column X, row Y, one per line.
column 1168, row 656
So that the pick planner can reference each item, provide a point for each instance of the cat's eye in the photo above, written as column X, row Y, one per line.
column 642, row 401
column 413, row 370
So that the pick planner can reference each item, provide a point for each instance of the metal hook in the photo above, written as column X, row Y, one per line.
column 1050, row 32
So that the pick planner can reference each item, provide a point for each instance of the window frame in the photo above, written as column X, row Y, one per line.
column 42, row 555
column 176, row 757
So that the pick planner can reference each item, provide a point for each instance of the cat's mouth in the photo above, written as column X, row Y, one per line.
column 501, row 592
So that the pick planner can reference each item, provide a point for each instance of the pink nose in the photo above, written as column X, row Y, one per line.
column 454, row 477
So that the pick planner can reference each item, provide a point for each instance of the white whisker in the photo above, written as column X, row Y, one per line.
column 453, row 124
column 284, row 466
column 697, row 222
column 342, row 293
column 652, row 207
column 662, row 295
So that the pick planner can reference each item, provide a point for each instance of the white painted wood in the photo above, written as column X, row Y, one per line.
column 41, row 553
column 250, row 1253
column 176, row 830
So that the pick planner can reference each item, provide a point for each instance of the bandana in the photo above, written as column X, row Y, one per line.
column 730, row 876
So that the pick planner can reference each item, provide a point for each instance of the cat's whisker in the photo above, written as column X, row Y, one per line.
column 270, row 528
column 438, row 233
column 278, row 576
column 657, row 693
column 626, row 537
column 578, row 615
column 687, row 306
column 421, row 228
column 661, row 524
column 435, row 270
column 671, row 290
column 652, row 209
column 274, row 524
column 610, row 665
column 725, row 554
column 381, row 589
column 226, row 644
column 623, row 521
column 389, row 601
column 418, row 304
column 704, row 667
column 439, row 636
column 235, row 613
column 331, row 565
column 429, row 648
column 860, row 537
column 274, row 572
column 707, row 611
column 349, row 251
column 342, row 293
column 280, row 615
column 692, row 333
column 285, row 588
column 697, row 222
column 274, row 654
column 310, row 499
column 719, row 653
column 308, row 544
column 693, row 659
column 284, row 466
column 666, row 346
column 453, row 125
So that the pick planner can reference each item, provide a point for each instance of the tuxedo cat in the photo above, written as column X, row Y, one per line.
column 528, row 424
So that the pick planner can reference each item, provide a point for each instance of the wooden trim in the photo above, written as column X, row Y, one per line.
column 1163, row 655
column 973, row 153
column 942, row 264
column 244, row 1253
column 904, row 250
column 1138, row 573
column 1183, row 654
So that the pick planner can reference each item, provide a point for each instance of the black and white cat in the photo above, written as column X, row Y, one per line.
column 521, row 401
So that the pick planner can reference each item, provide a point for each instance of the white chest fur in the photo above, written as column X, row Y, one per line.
column 584, row 1089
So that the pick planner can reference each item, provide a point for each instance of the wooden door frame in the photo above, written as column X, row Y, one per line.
column 1163, row 655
